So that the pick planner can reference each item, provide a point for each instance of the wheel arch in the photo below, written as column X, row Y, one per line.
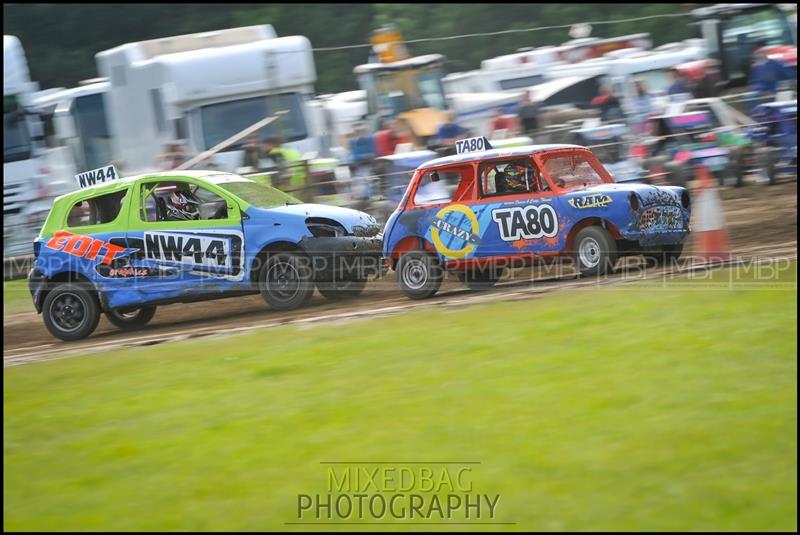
column 410, row 243
column 590, row 222
column 275, row 246
column 64, row 276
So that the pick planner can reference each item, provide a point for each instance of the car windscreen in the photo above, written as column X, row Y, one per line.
column 222, row 120
column 259, row 195
column 572, row 169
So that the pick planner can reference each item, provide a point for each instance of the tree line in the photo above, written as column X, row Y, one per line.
column 60, row 40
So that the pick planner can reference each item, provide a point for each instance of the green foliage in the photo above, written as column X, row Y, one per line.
column 61, row 40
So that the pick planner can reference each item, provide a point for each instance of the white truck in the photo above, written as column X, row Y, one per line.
column 31, row 170
column 202, row 89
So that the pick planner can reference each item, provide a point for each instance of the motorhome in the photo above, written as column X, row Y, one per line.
column 201, row 89
column 619, row 69
column 528, row 66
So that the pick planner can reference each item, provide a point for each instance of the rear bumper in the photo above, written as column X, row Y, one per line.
column 662, row 237
column 345, row 258
column 36, row 285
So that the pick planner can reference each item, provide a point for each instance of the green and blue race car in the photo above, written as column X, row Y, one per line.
column 124, row 246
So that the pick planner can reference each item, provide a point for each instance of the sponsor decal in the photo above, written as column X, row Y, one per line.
column 662, row 217
column 126, row 272
column 526, row 222
column 456, row 227
column 661, row 196
column 205, row 251
column 86, row 247
column 590, row 201
column 100, row 175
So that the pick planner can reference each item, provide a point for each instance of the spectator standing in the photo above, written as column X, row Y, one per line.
column 252, row 152
column 608, row 104
column 502, row 126
column 174, row 155
column 528, row 112
column 449, row 131
column 404, row 135
column 706, row 85
column 362, row 146
column 642, row 107
column 362, row 149
column 766, row 73
column 385, row 139
column 679, row 89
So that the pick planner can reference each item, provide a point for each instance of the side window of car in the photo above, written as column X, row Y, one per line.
column 181, row 201
column 438, row 187
column 511, row 178
column 97, row 210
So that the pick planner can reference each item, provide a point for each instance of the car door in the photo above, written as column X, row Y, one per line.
column 515, row 222
column 201, row 254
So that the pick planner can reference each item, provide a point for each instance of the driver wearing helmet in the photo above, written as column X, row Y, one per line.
column 182, row 205
column 518, row 178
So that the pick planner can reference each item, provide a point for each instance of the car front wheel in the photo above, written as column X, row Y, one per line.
column 286, row 280
column 595, row 251
column 419, row 274
column 131, row 318
column 71, row 311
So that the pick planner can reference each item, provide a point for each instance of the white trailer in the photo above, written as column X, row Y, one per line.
column 200, row 89
column 528, row 66
column 621, row 68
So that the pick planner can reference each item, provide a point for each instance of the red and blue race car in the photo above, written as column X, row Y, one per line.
column 478, row 212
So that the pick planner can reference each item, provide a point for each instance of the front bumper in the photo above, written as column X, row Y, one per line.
column 345, row 258
column 659, row 225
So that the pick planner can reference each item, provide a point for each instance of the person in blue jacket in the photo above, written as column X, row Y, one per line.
column 766, row 73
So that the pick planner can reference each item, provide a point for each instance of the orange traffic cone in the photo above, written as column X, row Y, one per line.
column 711, row 240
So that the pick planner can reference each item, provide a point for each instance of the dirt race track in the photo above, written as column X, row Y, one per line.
column 761, row 223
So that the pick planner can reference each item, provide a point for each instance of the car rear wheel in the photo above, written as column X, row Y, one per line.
column 595, row 251
column 131, row 318
column 71, row 311
column 338, row 290
column 419, row 274
column 478, row 280
column 286, row 280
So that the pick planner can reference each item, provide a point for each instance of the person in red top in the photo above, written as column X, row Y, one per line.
column 386, row 139
column 503, row 122
column 403, row 135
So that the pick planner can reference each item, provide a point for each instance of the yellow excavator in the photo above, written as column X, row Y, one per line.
column 404, row 88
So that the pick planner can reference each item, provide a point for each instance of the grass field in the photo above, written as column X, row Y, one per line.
column 637, row 407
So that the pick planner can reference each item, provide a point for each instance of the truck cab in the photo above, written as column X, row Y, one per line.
column 202, row 89
column 30, row 180
column 733, row 31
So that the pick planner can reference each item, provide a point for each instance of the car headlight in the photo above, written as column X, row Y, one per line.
column 325, row 228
